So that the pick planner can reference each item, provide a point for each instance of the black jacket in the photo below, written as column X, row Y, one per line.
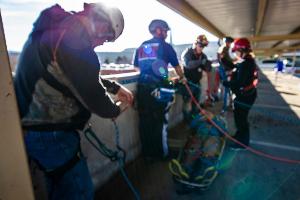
column 194, row 64
column 224, row 58
column 243, row 77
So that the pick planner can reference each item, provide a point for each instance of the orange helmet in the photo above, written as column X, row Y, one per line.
column 202, row 40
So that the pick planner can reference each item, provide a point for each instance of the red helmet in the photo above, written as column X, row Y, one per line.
column 202, row 40
column 241, row 43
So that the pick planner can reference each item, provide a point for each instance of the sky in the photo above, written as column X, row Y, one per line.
column 19, row 15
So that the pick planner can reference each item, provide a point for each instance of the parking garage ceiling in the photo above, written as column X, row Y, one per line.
column 269, row 24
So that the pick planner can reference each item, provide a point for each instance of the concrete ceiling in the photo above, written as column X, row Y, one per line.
column 268, row 23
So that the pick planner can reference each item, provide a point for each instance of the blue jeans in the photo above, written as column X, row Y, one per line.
column 223, row 77
column 52, row 150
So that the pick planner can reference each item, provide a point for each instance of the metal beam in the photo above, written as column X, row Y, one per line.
column 186, row 10
column 262, row 5
column 15, row 181
column 263, row 38
column 296, row 30
column 277, row 49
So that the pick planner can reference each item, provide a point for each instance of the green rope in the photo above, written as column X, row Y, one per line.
column 114, row 155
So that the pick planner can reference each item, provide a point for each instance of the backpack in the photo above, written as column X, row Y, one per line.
column 153, row 68
column 50, row 18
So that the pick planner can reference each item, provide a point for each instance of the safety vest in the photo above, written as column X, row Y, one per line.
column 153, row 68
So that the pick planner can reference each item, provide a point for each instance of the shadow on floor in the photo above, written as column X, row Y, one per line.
column 243, row 175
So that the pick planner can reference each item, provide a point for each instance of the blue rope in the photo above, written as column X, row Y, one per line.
column 122, row 162
column 114, row 155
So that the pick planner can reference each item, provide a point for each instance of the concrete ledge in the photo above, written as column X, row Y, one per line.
column 102, row 168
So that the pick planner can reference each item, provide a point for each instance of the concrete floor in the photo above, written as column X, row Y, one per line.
column 275, row 129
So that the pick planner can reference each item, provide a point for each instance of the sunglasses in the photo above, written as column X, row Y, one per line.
column 200, row 45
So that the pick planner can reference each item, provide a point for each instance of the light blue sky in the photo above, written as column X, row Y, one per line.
column 18, row 16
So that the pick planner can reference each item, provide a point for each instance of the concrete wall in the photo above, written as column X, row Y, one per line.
column 102, row 168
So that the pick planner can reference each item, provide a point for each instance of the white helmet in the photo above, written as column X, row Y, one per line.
column 111, row 14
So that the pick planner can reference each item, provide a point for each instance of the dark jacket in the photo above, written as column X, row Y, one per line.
column 243, row 77
column 225, row 60
column 59, row 95
column 194, row 64
column 153, row 57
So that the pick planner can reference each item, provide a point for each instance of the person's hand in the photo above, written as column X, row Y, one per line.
column 125, row 96
column 123, row 106
column 183, row 80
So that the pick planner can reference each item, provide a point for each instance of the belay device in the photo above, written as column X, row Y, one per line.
column 197, row 164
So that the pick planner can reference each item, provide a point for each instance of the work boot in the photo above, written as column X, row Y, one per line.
column 237, row 147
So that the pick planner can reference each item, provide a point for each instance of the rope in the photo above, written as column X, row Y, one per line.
column 114, row 155
column 253, row 107
column 260, row 153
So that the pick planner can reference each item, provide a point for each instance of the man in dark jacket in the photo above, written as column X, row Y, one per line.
column 194, row 62
column 226, row 67
column 154, row 95
column 58, row 87
column 243, row 84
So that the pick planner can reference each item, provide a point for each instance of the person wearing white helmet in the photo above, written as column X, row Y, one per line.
column 154, row 93
column 58, row 87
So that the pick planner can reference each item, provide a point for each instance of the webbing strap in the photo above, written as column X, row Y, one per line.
column 59, row 172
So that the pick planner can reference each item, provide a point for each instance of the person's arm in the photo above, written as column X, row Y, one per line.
column 240, row 79
column 124, row 95
column 179, row 71
column 228, row 64
column 111, row 86
column 188, row 62
column 81, row 67
column 228, row 61
column 205, row 64
column 174, row 62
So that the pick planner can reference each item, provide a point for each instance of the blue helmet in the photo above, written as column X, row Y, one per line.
column 158, row 23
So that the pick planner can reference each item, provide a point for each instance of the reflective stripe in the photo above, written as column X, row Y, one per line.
column 165, row 136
